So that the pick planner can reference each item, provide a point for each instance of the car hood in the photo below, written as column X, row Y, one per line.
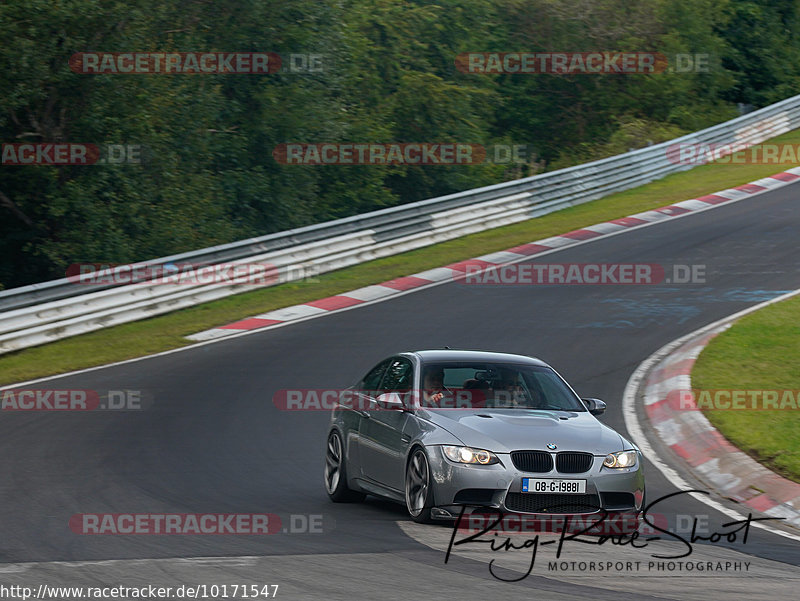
column 503, row 431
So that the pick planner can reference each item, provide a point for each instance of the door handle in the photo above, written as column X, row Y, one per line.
column 364, row 414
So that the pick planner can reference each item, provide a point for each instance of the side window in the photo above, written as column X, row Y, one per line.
column 373, row 378
column 398, row 377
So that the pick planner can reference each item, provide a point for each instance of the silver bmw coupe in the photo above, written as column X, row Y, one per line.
column 438, row 430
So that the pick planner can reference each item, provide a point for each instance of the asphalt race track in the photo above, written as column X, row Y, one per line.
column 212, row 440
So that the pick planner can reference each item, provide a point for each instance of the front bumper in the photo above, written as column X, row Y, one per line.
column 499, row 487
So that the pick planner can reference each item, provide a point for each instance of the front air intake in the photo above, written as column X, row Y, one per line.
column 574, row 463
column 532, row 461
column 552, row 503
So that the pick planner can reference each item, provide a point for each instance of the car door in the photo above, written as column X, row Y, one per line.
column 382, row 445
column 364, row 395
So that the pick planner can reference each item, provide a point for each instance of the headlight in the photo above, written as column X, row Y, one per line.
column 469, row 455
column 620, row 459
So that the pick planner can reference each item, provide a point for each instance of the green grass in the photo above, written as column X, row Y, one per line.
column 168, row 331
column 759, row 352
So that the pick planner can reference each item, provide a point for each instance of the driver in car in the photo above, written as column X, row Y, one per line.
column 433, row 386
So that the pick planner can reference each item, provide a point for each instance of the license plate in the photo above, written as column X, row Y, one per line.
column 554, row 485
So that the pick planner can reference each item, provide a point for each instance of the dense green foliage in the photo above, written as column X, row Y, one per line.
column 388, row 76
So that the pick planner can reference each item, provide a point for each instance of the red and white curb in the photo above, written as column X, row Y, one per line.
column 656, row 387
column 384, row 290
column 712, row 458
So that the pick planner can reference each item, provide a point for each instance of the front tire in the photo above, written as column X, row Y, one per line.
column 419, row 493
column 336, row 472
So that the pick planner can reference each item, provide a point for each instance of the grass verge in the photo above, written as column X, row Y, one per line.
column 759, row 352
column 167, row 331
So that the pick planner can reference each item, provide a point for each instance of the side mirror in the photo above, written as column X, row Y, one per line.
column 595, row 406
column 390, row 401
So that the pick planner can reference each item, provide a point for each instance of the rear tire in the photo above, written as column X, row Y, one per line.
column 336, row 472
column 419, row 493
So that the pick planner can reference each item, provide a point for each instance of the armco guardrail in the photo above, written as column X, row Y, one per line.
column 44, row 312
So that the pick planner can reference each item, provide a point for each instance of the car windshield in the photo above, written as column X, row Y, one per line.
column 495, row 385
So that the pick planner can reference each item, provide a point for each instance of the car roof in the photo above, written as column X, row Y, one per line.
column 434, row 355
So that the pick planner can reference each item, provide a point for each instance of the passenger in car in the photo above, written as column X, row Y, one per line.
column 508, row 392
